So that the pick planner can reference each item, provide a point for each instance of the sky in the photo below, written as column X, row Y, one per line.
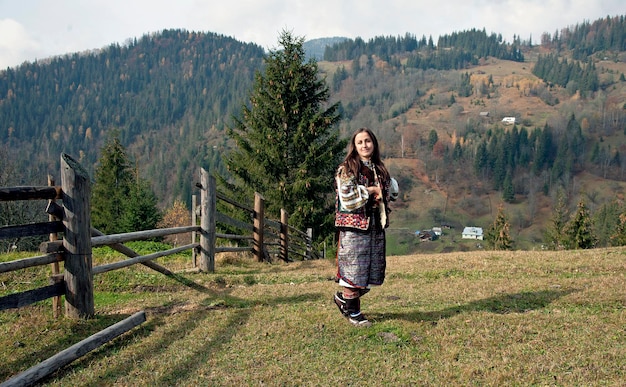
column 32, row 30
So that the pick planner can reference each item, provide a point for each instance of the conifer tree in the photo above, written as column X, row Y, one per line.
column 498, row 236
column 555, row 234
column 140, row 209
column 618, row 238
column 606, row 222
column 287, row 143
column 580, row 233
column 111, row 187
column 508, row 191
column 120, row 202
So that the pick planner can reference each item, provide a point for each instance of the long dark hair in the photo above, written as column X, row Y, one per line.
column 353, row 162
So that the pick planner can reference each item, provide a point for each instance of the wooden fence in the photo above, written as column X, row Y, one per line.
column 72, row 218
column 265, row 238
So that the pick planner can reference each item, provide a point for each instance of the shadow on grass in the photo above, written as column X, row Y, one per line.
column 503, row 304
column 171, row 333
column 83, row 328
column 189, row 283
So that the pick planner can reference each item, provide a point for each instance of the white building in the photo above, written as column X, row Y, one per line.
column 472, row 233
column 508, row 120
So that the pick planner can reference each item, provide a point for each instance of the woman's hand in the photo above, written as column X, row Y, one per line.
column 376, row 192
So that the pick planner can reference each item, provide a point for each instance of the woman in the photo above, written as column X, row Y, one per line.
column 363, row 193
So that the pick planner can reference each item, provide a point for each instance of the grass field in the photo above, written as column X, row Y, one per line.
column 472, row 318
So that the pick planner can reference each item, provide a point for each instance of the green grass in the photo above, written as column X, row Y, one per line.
column 472, row 318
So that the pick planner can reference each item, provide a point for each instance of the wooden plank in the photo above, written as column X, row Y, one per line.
column 133, row 254
column 106, row 240
column 9, row 194
column 221, row 218
column 51, row 247
column 272, row 223
column 233, row 236
column 234, row 203
column 34, row 374
column 28, row 297
column 31, row 229
column 228, row 249
column 19, row 264
column 129, row 262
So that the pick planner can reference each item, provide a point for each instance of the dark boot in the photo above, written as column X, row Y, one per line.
column 341, row 303
column 353, row 309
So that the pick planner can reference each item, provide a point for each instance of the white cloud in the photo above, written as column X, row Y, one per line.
column 15, row 45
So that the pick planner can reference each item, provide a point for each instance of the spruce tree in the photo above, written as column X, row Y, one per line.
column 498, row 236
column 508, row 191
column 288, row 145
column 580, row 233
column 140, row 209
column 111, row 187
column 555, row 234
column 121, row 202
column 618, row 238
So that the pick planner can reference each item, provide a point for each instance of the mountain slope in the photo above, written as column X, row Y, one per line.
column 171, row 96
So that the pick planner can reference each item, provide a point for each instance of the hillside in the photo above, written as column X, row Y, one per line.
column 172, row 96
column 469, row 202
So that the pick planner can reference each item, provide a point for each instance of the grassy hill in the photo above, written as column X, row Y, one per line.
column 473, row 318
column 464, row 199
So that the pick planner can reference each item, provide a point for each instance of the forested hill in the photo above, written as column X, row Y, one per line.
column 454, row 51
column 168, row 95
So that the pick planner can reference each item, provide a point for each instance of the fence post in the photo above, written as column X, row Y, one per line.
column 284, row 235
column 309, row 243
column 78, row 273
column 56, row 300
column 259, row 215
column 207, row 222
column 194, row 221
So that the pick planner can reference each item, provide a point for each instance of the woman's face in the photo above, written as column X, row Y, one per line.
column 364, row 145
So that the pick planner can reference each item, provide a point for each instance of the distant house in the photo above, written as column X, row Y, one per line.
column 472, row 233
column 426, row 235
column 508, row 120
column 484, row 114
column 437, row 231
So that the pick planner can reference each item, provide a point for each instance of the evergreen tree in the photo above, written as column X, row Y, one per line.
column 111, row 188
column 432, row 139
column 140, row 210
column 555, row 235
column 498, row 236
column 119, row 202
column 287, row 146
column 508, row 192
column 606, row 222
column 619, row 235
column 579, row 230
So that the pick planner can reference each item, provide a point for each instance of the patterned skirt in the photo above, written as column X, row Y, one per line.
column 361, row 259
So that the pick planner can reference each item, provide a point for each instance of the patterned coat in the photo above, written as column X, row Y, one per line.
column 354, row 206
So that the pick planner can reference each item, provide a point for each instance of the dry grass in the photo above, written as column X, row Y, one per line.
column 477, row 318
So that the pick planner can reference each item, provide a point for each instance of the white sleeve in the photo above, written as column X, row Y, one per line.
column 351, row 196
